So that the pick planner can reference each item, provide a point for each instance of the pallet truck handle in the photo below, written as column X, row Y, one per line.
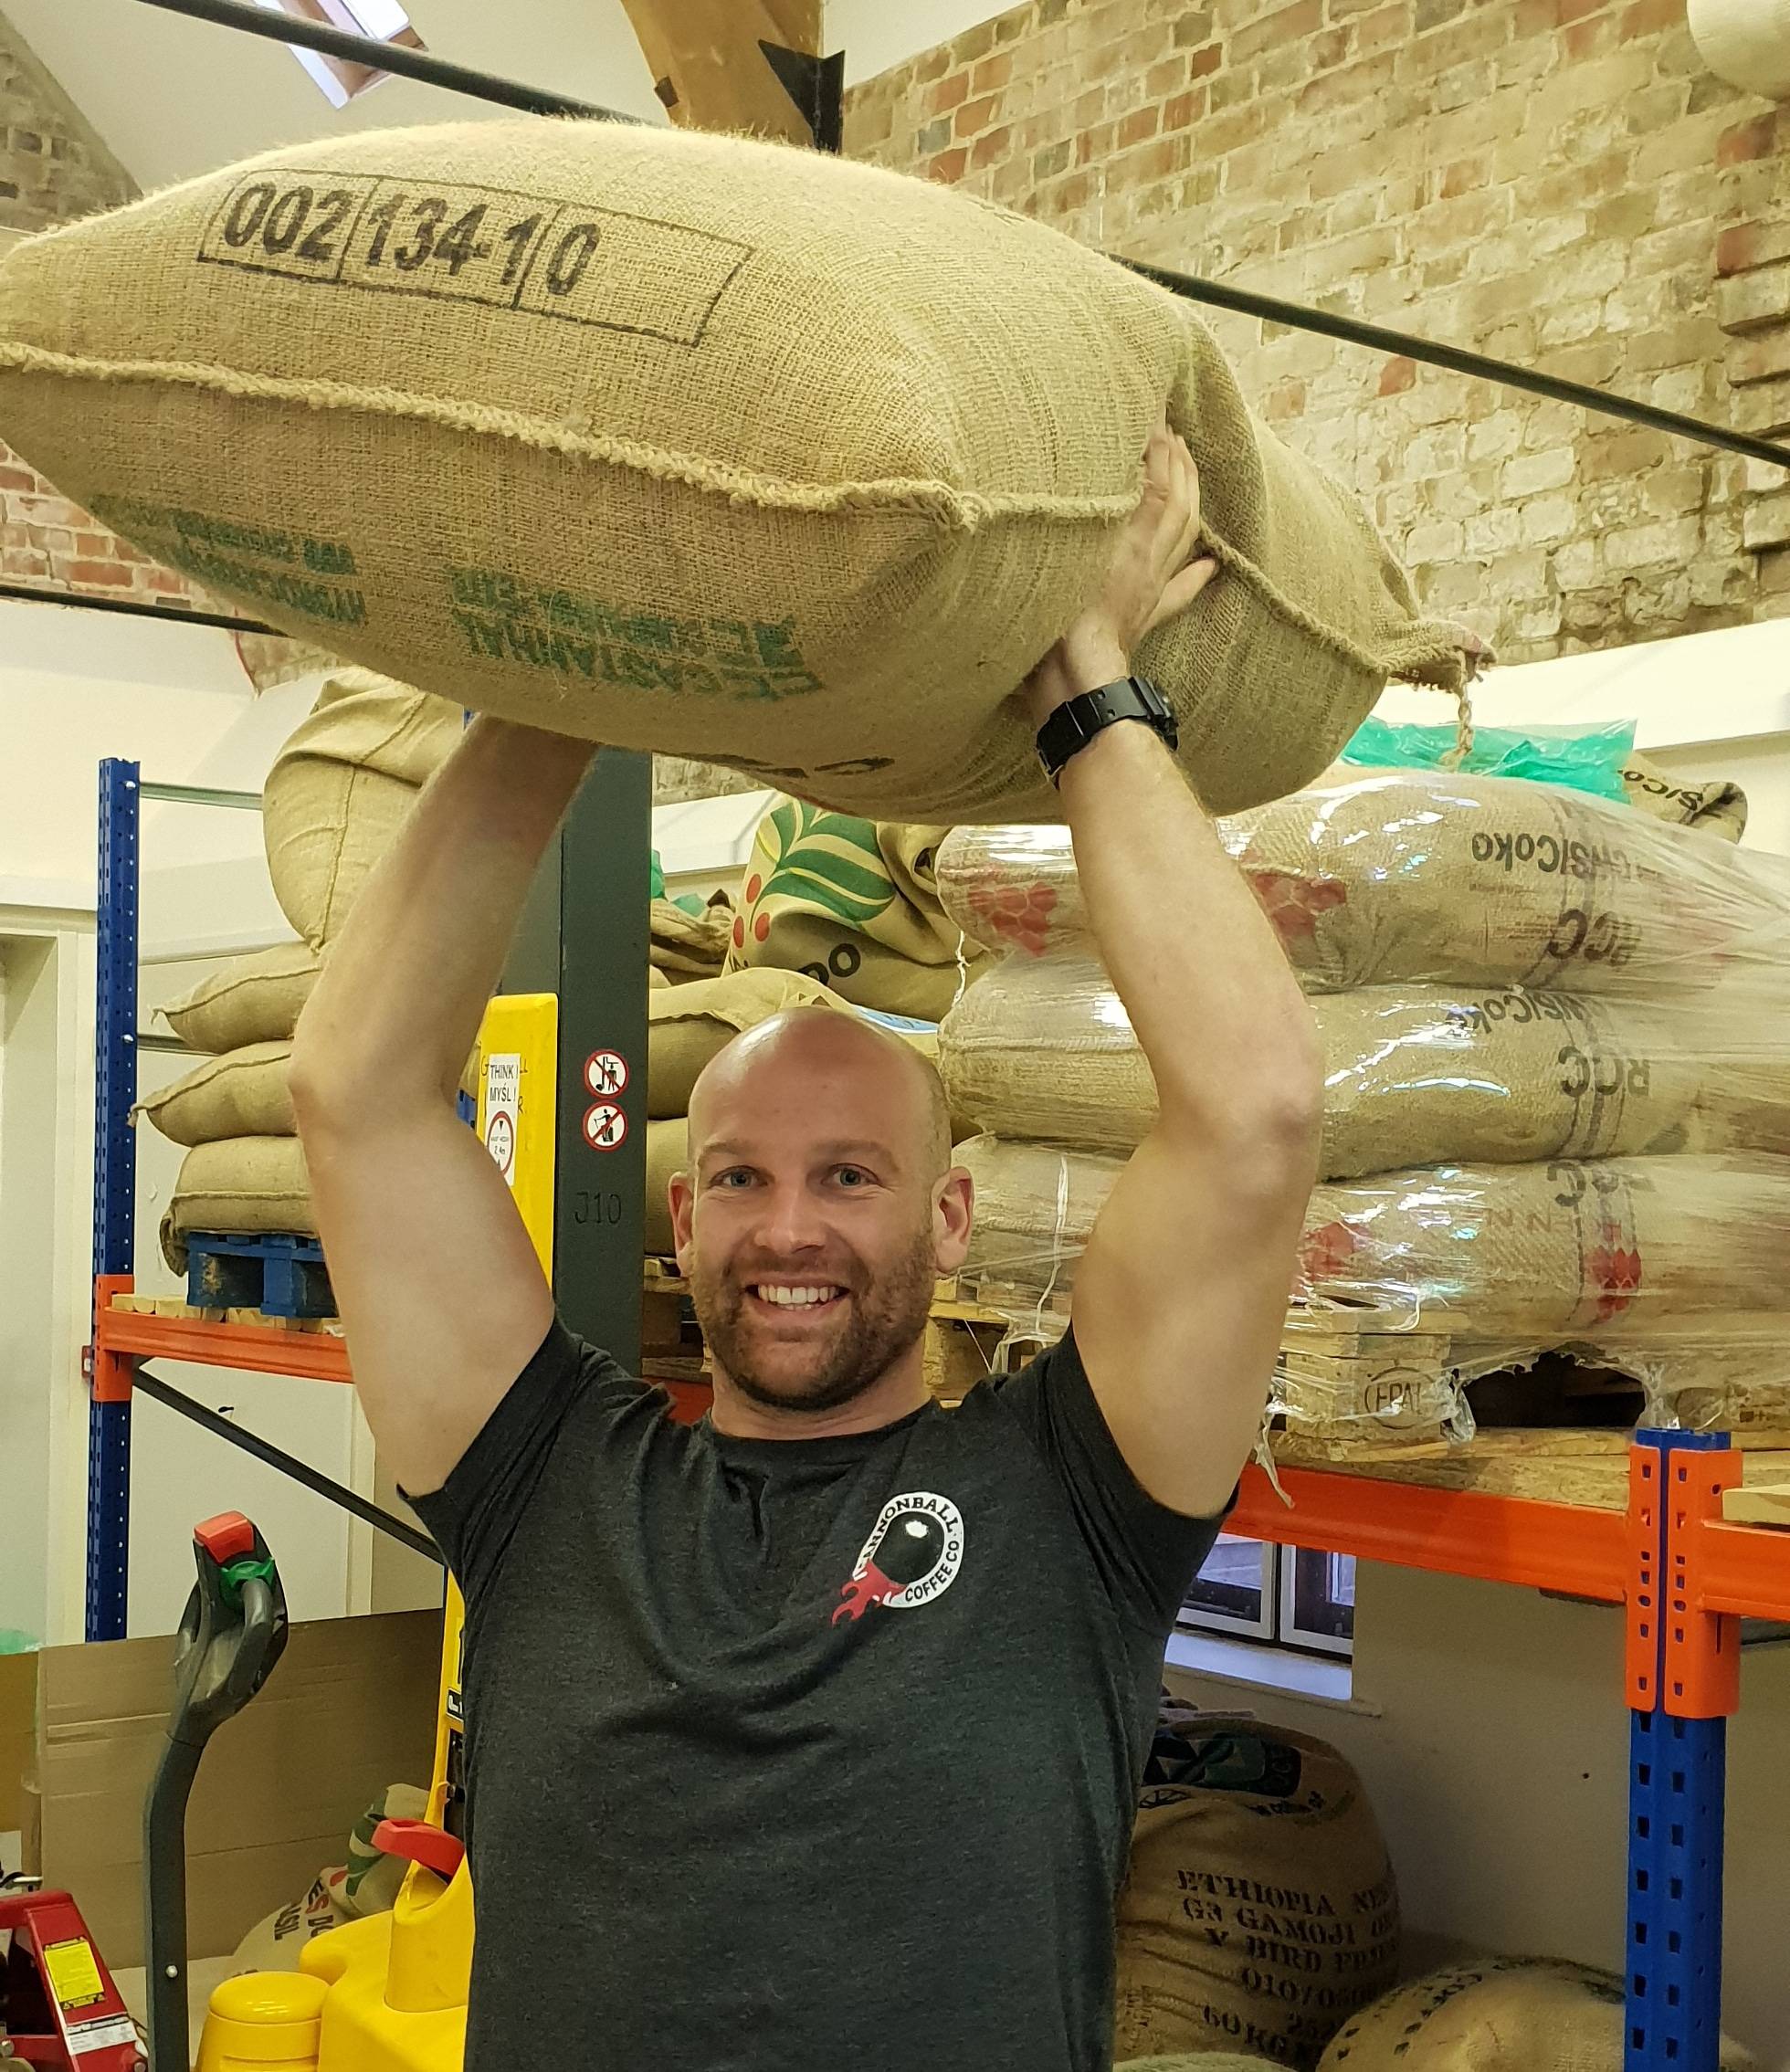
column 231, row 1635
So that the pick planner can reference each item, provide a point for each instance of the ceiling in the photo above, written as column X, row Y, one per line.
column 175, row 98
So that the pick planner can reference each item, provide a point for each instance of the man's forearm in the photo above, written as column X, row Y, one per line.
column 1220, row 1018
column 397, row 1010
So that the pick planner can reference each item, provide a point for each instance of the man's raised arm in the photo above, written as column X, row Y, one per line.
column 440, row 1292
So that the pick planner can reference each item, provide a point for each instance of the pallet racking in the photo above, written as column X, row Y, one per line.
column 1684, row 1574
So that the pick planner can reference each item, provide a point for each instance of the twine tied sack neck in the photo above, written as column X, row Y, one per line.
column 690, row 443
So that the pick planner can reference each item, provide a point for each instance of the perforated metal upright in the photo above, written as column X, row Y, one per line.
column 1683, row 1683
column 114, row 1181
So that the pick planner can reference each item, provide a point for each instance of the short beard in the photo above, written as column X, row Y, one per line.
column 887, row 1317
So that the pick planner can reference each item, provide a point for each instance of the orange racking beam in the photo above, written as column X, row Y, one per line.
column 1568, row 1548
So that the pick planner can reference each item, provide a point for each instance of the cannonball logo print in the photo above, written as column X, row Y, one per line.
column 912, row 1555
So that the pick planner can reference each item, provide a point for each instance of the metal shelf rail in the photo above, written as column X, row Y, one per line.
column 1684, row 1576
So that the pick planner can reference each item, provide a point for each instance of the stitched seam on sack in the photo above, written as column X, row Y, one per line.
column 964, row 510
column 1425, row 645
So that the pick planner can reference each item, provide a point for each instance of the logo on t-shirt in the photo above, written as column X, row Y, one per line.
column 912, row 1555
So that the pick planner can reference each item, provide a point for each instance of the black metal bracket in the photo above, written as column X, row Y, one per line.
column 301, row 1472
column 817, row 87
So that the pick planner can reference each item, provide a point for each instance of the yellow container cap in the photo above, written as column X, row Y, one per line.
column 266, row 2016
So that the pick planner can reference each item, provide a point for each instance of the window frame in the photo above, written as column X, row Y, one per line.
column 1300, row 1613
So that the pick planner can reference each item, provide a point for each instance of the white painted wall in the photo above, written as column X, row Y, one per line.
column 175, row 97
column 76, row 685
column 1490, row 1729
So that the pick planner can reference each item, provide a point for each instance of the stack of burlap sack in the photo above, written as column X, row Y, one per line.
column 1557, row 1037
column 333, row 804
column 1259, row 1925
column 834, row 912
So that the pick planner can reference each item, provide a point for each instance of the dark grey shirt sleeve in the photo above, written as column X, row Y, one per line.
column 1146, row 1554
column 474, row 1515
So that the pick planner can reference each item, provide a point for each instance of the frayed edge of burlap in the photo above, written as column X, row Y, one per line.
column 1432, row 652
column 951, row 509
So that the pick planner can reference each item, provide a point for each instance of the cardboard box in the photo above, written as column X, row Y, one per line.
column 348, row 1709
column 18, row 1736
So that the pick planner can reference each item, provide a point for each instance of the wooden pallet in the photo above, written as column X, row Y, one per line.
column 278, row 1274
column 190, row 1313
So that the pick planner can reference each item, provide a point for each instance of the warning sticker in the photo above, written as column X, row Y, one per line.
column 116, row 2032
column 74, row 1977
column 605, row 1072
column 606, row 1127
column 503, row 1100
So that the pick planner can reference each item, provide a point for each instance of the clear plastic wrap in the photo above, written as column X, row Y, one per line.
column 1416, row 1075
column 1409, row 1285
column 1437, row 878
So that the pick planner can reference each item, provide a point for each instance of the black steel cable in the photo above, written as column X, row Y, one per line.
column 462, row 78
column 138, row 607
column 159, row 1391
column 388, row 57
column 1459, row 361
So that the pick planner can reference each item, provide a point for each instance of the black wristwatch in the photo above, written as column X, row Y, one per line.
column 1078, row 719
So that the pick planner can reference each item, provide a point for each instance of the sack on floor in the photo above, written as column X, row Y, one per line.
column 1414, row 1075
column 242, row 1186
column 852, row 905
column 342, row 788
column 247, row 1000
column 1260, row 1909
column 1496, row 2015
column 694, row 444
column 367, row 1883
column 689, row 1025
column 1377, row 879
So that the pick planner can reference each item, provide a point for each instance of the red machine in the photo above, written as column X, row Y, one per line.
column 59, row 2006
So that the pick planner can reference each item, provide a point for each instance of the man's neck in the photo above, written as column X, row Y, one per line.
column 897, row 1392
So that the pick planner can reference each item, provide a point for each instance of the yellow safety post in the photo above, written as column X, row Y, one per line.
column 388, row 1993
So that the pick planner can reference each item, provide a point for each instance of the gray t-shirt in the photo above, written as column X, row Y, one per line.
column 802, row 1755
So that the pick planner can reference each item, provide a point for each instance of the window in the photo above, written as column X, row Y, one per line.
column 342, row 79
column 1281, row 1596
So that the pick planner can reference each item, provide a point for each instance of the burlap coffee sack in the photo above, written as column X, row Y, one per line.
column 343, row 788
column 1496, row 2015
column 248, row 1000
column 1668, row 1269
column 239, row 1093
column 686, row 946
column 689, row 1025
column 1196, row 2061
column 1260, row 1910
column 1718, row 809
column 1607, row 1253
column 243, row 1093
column 367, row 1883
column 693, row 444
column 1437, row 879
column 852, row 905
column 668, row 1152
column 1414, row 1075
column 242, row 1186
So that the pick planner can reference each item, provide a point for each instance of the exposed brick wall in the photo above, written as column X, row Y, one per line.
column 1558, row 183
column 53, row 169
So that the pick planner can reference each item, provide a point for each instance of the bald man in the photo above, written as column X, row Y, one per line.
column 808, row 1739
